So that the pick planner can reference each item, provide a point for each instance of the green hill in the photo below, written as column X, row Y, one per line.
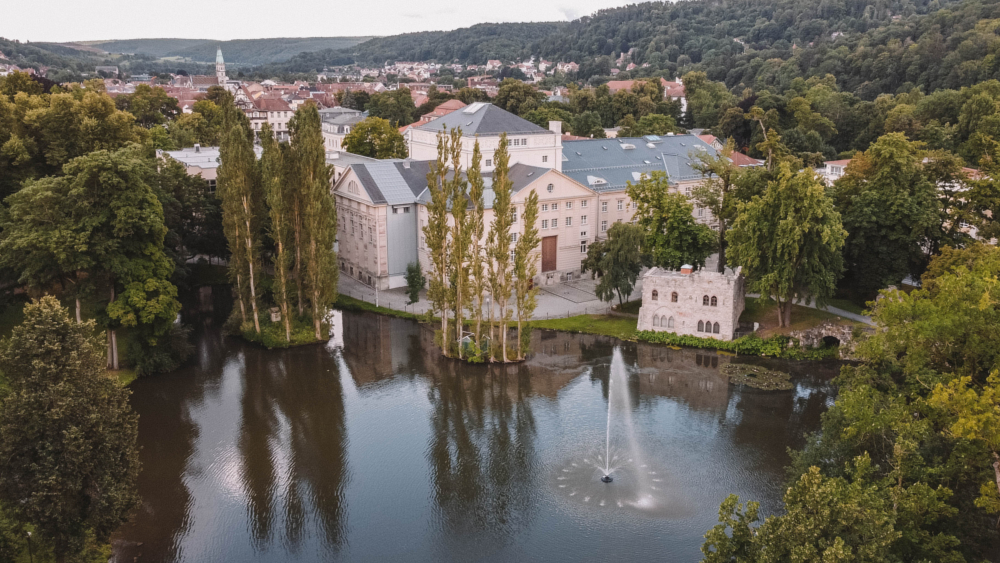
column 239, row 51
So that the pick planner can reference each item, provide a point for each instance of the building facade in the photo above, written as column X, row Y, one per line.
column 687, row 302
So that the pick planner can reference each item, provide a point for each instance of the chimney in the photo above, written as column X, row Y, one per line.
column 556, row 127
column 197, row 147
column 687, row 269
column 406, row 164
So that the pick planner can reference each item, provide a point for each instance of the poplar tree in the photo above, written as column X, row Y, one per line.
column 500, row 255
column 436, row 235
column 239, row 191
column 273, row 165
column 319, row 215
column 461, row 234
column 478, row 286
column 526, row 267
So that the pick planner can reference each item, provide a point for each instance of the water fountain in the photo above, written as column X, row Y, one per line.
column 616, row 475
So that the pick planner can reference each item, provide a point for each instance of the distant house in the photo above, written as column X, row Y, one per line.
column 671, row 90
column 493, row 64
column 833, row 169
column 273, row 111
column 107, row 70
column 336, row 124
column 738, row 158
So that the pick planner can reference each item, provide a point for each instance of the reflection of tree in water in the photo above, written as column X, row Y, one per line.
column 293, row 445
column 771, row 420
column 166, row 439
column 482, row 452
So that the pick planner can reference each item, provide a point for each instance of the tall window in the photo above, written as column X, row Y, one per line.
column 583, row 247
column 701, row 326
column 704, row 300
column 583, row 219
column 621, row 204
column 656, row 295
column 715, row 328
column 545, row 207
column 604, row 207
column 555, row 223
column 583, row 204
column 670, row 322
column 545, row 158
column 569, row 205
column 545, row 223
column 489, row 162
column 569, row 221
column 673, row 297
column 604, row 226
column 715, row 301
column 555, row 207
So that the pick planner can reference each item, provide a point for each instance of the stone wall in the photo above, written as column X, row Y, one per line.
column 683, row 300
column 813, row 337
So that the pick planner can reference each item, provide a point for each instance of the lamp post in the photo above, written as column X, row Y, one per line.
column 31, row 556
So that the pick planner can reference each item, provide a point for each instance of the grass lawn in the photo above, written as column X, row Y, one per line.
column 760, row 311
column 617, row 327
column 349, row 303
column 630, row 307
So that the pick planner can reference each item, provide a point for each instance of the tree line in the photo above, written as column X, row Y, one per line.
column 487, row 272
column 278, row 206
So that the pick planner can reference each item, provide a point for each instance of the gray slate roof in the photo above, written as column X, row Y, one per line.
column 393, row 182
column 612, row 161
column 343, row 159
column 481, row 118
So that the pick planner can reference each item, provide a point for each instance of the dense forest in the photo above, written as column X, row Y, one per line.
column 239, row 51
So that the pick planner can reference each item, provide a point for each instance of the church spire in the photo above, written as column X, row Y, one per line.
column 220, row 67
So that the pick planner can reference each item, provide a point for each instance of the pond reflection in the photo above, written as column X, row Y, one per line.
column 383, row 450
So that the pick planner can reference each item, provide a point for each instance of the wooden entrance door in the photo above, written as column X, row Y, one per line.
column 549, row 254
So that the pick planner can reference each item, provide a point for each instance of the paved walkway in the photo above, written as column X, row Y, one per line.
column 554, row 301
column 829, row 309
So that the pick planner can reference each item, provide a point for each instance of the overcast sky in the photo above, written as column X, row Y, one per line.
column 82, row 20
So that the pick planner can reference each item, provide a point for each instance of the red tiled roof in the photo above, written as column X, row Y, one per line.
column 740, row 159
column 838, row 162
column 272, row 104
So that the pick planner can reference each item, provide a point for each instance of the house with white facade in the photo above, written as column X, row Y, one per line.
column 688, row 302
column 527, row 143
column 336, row 124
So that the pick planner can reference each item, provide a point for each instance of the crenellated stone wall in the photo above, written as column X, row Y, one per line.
column 692, row 302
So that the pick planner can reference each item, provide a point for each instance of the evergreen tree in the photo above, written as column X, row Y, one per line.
column 436, row 236
column 319, row 217
column 526, row 268
column 478, row 286
column 461, row 235
column 275, row 182
column 67, row 432
column 240, row 193
column 501, row 281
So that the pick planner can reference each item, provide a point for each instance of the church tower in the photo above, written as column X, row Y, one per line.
column 220, row 68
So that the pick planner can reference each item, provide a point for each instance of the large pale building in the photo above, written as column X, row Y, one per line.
column 581, row 186
column 527, row 143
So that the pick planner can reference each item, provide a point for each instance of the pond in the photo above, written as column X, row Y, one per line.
column 383, row 451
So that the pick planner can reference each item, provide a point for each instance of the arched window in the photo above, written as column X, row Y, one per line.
column 656, row 320
column 670, row 322
column 656, row 295
column 701, row 326
column 715, row 301
column 708, row 327
column 704, row 300
column 673, row 297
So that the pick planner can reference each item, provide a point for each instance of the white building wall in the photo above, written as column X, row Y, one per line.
column 694, row 297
